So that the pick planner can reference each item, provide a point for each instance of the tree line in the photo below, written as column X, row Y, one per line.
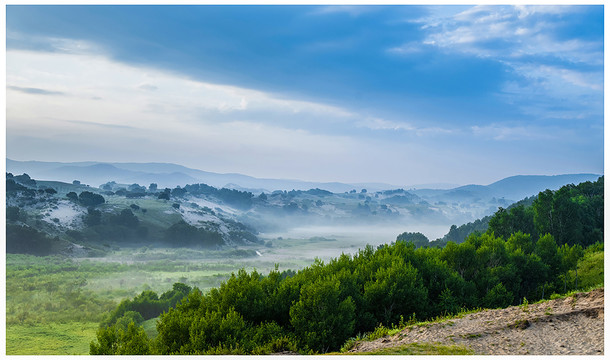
column 318, row 308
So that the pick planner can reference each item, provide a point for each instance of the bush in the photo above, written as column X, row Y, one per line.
column 183, row 234
column 13, row 213
column 118, row 341
column 89, row 199
column 26, row 240
column 321, row 319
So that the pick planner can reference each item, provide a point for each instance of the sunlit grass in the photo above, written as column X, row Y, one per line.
column 54, row 305
column 417, row 349
column 52, row 338
column 423, row 349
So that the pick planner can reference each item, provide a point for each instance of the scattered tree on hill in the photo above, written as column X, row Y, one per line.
column 418, row 239
column 26, row 240
column 164, row 195
column 25, row 179
column 93, row 217
column 183, row 234
column 12, row 186
column 50, row 191
column 13, row 213
column 89, row 199
column 178, row 192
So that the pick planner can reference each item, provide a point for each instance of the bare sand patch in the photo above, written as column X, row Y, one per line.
column 569, row 326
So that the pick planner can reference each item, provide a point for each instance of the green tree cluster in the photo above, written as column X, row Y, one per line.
column 22, row 239
column 418, row 239
column 183, row 234
column 318, row 308
column 145, row 306
column 89, row 199
column 574, row 214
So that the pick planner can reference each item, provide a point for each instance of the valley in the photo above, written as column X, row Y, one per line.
column 75, row 251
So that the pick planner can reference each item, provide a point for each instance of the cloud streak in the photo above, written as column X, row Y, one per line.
column 533, row 44
column 34, row 91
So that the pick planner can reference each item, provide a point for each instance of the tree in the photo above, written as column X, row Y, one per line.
column 13, row 213
column 543, row 212
column 216, row 330
column 448, row 302
column 165, row 194
column 128, row 318
column 462, row 258
column 569, row 261
column 418, row 239
column 178, row 192
column 127, row 218
column 152, row 187
column 89, row 199
column 546, row 248
column 498, row 297
column 26, row 240
column 322, row 320
column 395, row 290
column 183, row 234
column 115, row 340
column 93, row 217
column 25, row 179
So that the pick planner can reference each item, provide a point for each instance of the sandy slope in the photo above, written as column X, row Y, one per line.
column 570, row 326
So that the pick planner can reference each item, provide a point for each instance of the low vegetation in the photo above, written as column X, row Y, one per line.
column 527, row 253
column 422, row 349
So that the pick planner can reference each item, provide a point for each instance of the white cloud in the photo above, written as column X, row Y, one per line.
column 412, row 47
column 381, row 124
column 128, row 94
column 375, row 123
column 520, row 31
column 501, row 132
column 544, row 69
column 127, row 113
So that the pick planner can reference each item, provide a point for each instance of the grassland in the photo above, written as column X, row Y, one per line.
column 70, row 338
column 54, row 304
column 421, row 349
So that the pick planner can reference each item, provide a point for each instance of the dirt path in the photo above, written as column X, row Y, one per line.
column 570, row 326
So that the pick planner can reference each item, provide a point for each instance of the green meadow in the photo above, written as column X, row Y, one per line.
column 54, row 304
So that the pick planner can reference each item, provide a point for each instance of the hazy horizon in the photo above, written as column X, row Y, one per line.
column 403, row 95
column 433, row 185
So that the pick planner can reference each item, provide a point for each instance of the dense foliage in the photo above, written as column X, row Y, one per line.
column 239, row 199
column 26, row 240
column 459, row 234
column 418, row 239
column 183, row 234
column 147, row 305
column 574, row 214
column 321, row 306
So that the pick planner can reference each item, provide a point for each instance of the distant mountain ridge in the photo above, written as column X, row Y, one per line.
column 170, row 175
column 520, row 186
column 513, row 188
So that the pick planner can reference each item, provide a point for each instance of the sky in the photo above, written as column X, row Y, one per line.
column 399, row 94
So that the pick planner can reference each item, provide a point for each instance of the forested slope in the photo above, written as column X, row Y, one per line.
column 527, row 253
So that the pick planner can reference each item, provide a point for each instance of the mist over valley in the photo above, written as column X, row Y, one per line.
column 302, row 179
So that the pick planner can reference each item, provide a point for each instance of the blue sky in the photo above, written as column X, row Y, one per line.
column 396, row 94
